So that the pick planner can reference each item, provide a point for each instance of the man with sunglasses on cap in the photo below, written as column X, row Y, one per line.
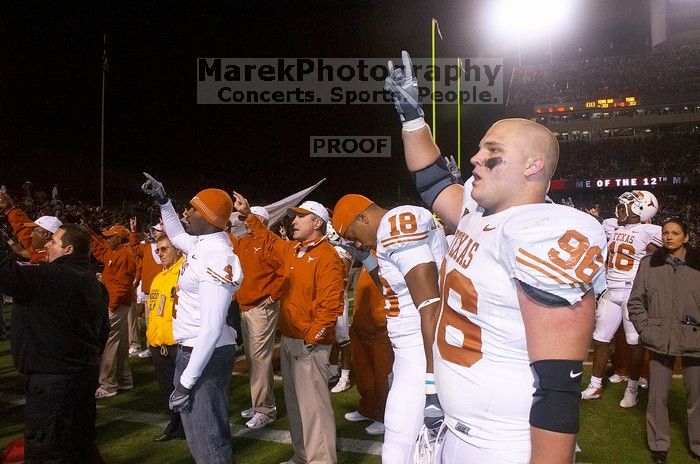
column 113, row 251
column 31, row 235
column 209, row 277
column 311, row 301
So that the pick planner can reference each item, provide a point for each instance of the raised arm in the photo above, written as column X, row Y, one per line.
column 436, row 185
column 171, row 221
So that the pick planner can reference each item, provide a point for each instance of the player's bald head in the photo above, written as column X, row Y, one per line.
column 533, row 140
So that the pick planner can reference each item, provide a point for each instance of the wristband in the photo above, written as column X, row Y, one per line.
column 430, row 388
column 427, row 302
column 370, row 263
column 414, row 124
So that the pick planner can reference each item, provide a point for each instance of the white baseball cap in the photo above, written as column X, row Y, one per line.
column 260, row 211
column 50, row 223
column 312, row 207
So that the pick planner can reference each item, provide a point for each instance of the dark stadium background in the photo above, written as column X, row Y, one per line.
column 50, row 71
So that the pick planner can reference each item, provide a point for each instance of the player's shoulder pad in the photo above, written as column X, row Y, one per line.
column 556, row 249
column 405, row 226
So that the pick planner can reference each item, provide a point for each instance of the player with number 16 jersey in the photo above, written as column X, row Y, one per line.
column 484, row 379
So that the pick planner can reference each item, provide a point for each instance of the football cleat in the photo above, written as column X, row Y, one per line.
column 592, row 393
column 630, row 398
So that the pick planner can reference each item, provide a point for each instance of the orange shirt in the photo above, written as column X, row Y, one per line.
column 369, row 315
column 17, row 218
column 262, row 275
column 312, row 291
column 119, row 271
column 146, row 267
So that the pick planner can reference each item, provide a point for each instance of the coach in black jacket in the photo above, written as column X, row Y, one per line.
column 58, row 335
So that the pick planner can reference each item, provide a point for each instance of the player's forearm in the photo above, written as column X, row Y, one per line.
column 551, row 447
column 419, row 148
column 428, row 322
column 173, row 228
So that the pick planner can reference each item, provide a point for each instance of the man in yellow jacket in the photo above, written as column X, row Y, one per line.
column 159, row 332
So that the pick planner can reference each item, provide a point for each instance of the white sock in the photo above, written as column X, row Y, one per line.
column 596, row 381
column 632, row 384
column 345, row 374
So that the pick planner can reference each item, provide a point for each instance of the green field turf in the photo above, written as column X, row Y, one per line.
column 128, row 422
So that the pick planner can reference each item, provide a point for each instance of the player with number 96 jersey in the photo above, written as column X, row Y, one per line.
column 482, row 368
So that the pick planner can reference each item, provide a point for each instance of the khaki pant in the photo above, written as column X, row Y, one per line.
column 309, row 410
column 658, row 426
column 133, row 324
column 258, row 327
column 114, row 365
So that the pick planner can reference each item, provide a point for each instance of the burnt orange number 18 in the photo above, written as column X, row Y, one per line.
column 402, row 224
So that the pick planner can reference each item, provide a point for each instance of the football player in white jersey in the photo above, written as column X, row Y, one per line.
column 410, row 244
column 518, row 282
column 629, row 240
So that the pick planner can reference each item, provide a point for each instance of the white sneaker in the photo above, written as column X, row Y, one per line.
column 592, row 393
column 630, row 398
column 644, row 383
column 375, row 428
column 145, row 354
column 248, row 413
column 618, row 378
column 355, row 416
column 342, row 385
column 259, row 421
column 100, row 393
column 134, row 351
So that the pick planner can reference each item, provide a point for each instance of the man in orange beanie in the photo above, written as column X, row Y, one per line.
column 210, row 276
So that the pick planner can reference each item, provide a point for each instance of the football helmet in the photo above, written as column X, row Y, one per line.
column 641, row 202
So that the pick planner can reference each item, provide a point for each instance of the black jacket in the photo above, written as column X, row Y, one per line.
column 61, row 324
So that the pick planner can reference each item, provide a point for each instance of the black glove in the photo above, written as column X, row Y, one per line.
column 154, row 189
column 404, row 90
column 180, row 399
column 433, row 415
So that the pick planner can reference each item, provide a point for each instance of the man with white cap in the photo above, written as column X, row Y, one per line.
column 311, row 301
column 32, row 235
column 258, row 299
column 209, row 277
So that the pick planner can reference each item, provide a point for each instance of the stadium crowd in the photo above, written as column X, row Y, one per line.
column 666, row 72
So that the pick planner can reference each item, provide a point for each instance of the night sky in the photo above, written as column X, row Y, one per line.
column 51, row 78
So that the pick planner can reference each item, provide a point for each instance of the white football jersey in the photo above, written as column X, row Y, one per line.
column 627, row 245
column 482, row 367
column 407, row 236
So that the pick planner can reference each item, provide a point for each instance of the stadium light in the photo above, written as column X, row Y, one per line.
column 525, row 20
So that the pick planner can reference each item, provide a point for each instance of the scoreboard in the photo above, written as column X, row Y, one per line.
column 601, row 103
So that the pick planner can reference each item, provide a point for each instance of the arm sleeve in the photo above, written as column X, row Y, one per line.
column 275, row 247
column 100, row 249
column 17, row 218
column 636, row 304
column 173, row 228
column 17, row 280
column 216, row 289
column 329, row 298
column 559, row 252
